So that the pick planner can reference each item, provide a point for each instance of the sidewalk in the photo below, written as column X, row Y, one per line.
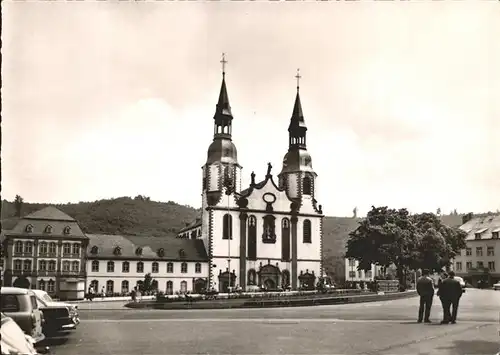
column 103, row 303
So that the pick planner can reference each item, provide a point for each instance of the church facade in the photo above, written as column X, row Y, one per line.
column 269, row 234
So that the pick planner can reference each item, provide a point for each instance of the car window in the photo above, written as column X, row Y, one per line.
column 34, row 303
column 10, row 303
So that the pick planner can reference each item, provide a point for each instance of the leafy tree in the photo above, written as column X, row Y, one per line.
column 409, row 242
column 149, row 284
column 18, row 203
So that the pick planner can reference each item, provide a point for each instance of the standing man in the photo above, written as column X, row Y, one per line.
column 425, row 290
column 450, row 292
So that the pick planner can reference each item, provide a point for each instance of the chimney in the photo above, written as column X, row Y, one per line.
column 466, row 218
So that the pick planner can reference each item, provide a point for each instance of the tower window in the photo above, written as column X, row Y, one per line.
column 307, row 186
column 252, row 238
column 227, row 226
column 306, row 237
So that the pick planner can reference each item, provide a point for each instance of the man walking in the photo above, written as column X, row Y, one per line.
column 425, row 290
column 450, row 292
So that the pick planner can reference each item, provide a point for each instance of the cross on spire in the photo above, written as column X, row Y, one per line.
column 298, row 77
column 223, row 62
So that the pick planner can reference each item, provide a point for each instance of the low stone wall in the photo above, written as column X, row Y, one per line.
column 298, row 301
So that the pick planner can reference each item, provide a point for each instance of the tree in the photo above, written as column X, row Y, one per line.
column 18, row 203
column 410, row 242
column 149, row 284
column 386, row 236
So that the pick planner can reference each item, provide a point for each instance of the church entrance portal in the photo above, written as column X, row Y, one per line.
column 269, row 276
column 224, row 279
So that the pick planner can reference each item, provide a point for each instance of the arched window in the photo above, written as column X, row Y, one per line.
column 51, row 286
column 161, row 252
column 18, row 265
column 140, row 267
column 269, row 229
column 184, row 268
column 18, row 248
column 184, row 286
column 170, row 268
column 227, row 226
column 125, row 266
column 285, row 239
column 252, row 238
column 251, row 277
column 75, row 266
column 124, row 286
column 67, row 230
column 117, row 251
column 52, row 265
column 197, row 268
column 29, row 228
column 307, row 186
column 155, row 267
column 95, row 285
column 41, row 285
column 170, row 288
column 48, row 229
column 182, row 253
column 65, row 265
column 110, row 287
column 43, row 248
column 42, row 265
column 306, row 238
column 95, row 266
column 94, row 250
column 138, row 251
column 111, row 266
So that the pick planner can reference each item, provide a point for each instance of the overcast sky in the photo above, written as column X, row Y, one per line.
column 110, row 99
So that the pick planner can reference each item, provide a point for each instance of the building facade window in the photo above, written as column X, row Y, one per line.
column 458, row 266
column 95, row 266
column 43, row 248
column 125, row 266
column 227, row 226
column 124, row 286
column 468, row 265
column 307, row 186
column 140, row 267
column 18, row 265
column 53, row 248
column 491, row 265
column 18, row 248
column 65, row 265
column 52, row 265
column 76, row 249
column 66, row 248
column 183, row 286
column 285, row 239
column 95, row 285
column 41, row 285
column 479, row 264
column 490, row 251
column 42, row 265
column 155, row 268
column 468, row 251
column 197, row 268
column 110, row 287
column 479, row 251
column 252, row 238
column 170, row 288
column 27, row 265
column 352, row 262
column 110, row 267
column 51, row 286
column 28, row 248
column 306, row 232
column 170, row 268
column 75, row 266
column 352, row 274
column 184, row 268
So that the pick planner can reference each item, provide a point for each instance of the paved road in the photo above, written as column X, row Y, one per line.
column 369, row 328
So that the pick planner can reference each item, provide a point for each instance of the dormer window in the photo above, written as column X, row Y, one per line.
column 161, row 252
column 48, row 229
column 29, row 228
column 182, row 253
column 117, row 251
column 478, row 233
column 67, row 230
column 94, row 250
column 495, row 234
column 138, row 251
column 478, row 236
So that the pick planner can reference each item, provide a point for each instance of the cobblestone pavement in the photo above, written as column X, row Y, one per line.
column 369, row 328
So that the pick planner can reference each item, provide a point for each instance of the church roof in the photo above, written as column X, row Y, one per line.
column 192, row 249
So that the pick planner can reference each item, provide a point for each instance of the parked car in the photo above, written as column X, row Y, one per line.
column 58, row 315
column 21, row 305
column 13, row 340
column 496, row 286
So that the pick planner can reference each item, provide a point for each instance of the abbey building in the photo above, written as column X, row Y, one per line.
column 269, row 234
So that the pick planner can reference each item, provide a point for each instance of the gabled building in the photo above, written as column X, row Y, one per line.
column 46, row 250
column 480, row 260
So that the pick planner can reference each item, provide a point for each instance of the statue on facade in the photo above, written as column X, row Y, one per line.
column 252, row 177
column 269, row 167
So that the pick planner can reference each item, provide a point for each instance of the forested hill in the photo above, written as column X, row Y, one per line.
column 124, row 215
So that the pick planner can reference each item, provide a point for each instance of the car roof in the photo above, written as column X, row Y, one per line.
column 14, row 291
column 38, row 292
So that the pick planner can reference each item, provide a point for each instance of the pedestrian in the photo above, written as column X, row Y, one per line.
column 134, row 294
column 449, row 293
column 425, row 290
column 90, row 295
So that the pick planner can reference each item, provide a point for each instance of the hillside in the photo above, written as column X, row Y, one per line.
column 122, row 215
column 139, row 216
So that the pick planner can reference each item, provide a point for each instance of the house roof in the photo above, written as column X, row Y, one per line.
column 41, row 219
column 194, row 249
column 196, row 223
column 50, row 213
column 484, row 225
